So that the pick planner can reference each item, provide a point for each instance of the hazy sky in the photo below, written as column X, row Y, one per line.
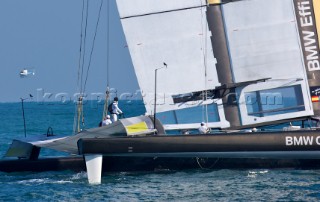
column 44, row 35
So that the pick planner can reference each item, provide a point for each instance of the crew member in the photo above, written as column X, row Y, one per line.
column 203, row 128
column 106, row 121
column 115, row 110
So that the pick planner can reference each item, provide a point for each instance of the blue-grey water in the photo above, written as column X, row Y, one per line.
column 189, row 185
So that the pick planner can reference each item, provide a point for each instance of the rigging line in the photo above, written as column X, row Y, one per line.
column 106, row 103
column 79, row 105
column 202, row 49
column 204, row 52
column 203, row 159
column 92, row 48
column 80, row 49
column 108, row 42
column 84, row 46
column 79, row 68
column 75, row 120
column 206, row 66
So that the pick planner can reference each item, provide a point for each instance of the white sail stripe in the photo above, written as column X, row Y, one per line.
column 141, row 7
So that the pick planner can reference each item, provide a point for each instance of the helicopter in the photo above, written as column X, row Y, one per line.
column 24, row 73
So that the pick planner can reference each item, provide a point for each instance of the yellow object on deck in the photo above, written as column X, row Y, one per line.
column 137, row 128
column 214, row 1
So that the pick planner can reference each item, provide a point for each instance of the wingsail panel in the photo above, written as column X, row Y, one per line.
column 255, row 40
column 174, row 32
column 263, row 41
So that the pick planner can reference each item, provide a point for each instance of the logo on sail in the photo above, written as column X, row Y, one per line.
column 306, row 20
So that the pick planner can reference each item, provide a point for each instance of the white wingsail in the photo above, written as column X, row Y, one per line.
column 174, row 32
column 252, row 50
column 264, row 42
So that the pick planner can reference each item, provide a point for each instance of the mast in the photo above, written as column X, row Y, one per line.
column 221, row 53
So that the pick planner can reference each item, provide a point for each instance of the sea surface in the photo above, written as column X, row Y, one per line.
column 190, row 185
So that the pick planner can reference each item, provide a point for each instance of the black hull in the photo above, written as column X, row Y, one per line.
column 292, row 149
column 148, row 164
column 270, row 145
column 125, row 164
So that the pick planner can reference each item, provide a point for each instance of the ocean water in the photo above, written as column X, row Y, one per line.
column 189, row 185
